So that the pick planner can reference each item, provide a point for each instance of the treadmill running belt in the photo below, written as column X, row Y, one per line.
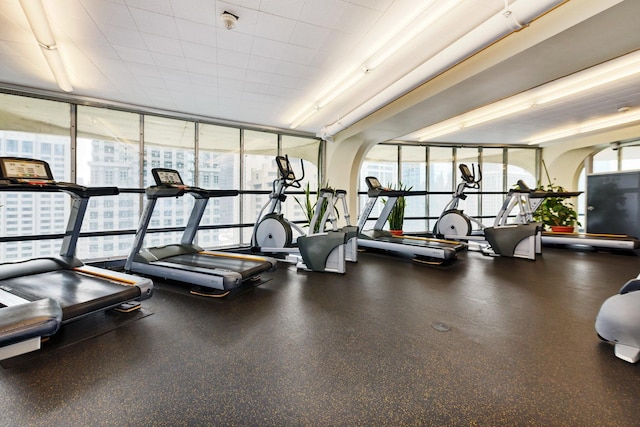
column 247, row 268
column 77, row 293
column 431, row 243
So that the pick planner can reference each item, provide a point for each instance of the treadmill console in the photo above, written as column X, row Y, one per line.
column 373, row 183
column 167, row 177
column 284, row 166
column 21, row 170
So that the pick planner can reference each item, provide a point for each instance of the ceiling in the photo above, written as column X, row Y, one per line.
column 176, row 56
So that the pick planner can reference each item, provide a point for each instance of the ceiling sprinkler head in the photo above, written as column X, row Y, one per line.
column 228, row 20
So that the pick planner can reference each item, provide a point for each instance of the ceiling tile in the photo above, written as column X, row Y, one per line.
column 233, row 59
column 307, row 35
column 234, row 40
column 200, row 52
column 200, row 11
column 131, row 54
column 107, row 13
column 163, row 44
column 201, row 67
column 326, row 12
column 196, row 33
column 157, row 6
column 274, row 27
column 155, row 23
column 169, row 61
column 286, row 8
column 123, row 37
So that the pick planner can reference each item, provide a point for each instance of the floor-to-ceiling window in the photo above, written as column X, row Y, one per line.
column 413, row 167
column 114, row 147
column 169, row 144
column 302, row 153
column 260, row 170
column 34, row 128
column 435, row 169
column 108, row 153
column 381, row 162
column 219, row 169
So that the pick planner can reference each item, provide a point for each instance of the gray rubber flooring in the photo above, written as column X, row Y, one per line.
column 365, row 348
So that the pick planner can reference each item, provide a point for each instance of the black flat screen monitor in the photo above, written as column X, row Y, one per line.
column 166, row 176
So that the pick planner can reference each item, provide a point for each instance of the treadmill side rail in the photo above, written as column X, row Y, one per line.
column 144, row 283
column 22, row 326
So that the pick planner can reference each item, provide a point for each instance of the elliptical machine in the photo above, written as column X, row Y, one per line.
column 329, row 198
column 519, row 240
column 273, row 233
column 453, row 222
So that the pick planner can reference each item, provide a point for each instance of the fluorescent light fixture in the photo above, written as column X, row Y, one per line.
column 342, row 88
column 481, row 115
column 425, row 17
column 588, row 126
column 608, row 72
column 580, row 82
column 306, row 113
column 409, row 33
column 41, row 29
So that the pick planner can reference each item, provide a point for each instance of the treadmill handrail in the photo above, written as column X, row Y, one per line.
column 539, row 194
column 54, row 186
column 160, row 191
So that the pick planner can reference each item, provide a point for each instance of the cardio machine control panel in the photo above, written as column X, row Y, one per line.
column 376, row 189
column 16, row 170
column 25, row 174
column 169, row 184
column 284, row 166
column 167, row 177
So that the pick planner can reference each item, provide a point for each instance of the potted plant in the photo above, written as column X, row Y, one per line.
column 396, row 216
column 309, row 207
column 556, row 213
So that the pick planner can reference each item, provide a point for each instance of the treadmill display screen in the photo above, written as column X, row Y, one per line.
column 373, row 183
column 24, row 169
column 168, row 177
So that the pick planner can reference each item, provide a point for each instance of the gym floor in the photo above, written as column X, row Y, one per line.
column 366, row 348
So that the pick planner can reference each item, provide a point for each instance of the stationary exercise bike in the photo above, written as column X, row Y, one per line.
column 274, row 234
column 453, row 222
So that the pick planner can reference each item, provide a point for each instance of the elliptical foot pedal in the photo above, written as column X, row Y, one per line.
column 210, row 293
column 127, row 307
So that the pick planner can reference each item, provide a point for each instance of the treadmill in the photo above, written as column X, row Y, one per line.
column 214, row 273
column 39, row 295
column 534, row 199
column 604, row 241
column 424, row 249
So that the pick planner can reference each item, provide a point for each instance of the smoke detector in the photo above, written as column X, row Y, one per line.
column 228, row 20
